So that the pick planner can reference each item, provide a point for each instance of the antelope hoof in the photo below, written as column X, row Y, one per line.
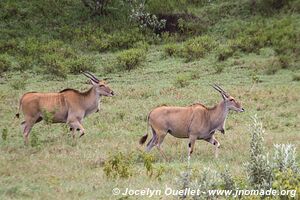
column 223, row 131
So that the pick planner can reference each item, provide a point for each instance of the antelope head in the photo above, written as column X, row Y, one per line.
column 100, row 85
column 229, row 101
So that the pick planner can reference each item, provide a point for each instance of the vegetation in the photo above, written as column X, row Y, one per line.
column 154, row 53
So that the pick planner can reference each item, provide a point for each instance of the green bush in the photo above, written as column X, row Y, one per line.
column 54, row 66
column 101, row 41
column 287, row 180
column 258, row 167
column 296, row 77
column 57, row 47
column 172, row 49
column 5, row 63
column 272, row 65
column 130, row 59
column 118, row 165
column 198, row 47
column 80, row 64
column 224, row 52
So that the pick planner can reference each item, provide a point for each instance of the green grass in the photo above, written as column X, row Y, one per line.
column 62, row 168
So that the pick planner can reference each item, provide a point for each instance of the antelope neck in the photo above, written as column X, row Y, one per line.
column 218, row 114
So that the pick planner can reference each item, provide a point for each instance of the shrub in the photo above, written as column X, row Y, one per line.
column 287, row 180
column 198, row 47
column 80, row 64
column 228, row 180
column 296, row 77
column 57, row 47
column 258, row 167
column 101, row 41
column 272, row 65
column 118, row 165
column 148, row 160
column 143, row 18
column 130, row 59
column 208, row 180
column 224, row 52
column 183, row 182
column 172, row 49
column 5, row 63
column 54, row 66
column 285, row 157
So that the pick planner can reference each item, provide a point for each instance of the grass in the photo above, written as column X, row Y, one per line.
column 63, row 168
column 255, row 58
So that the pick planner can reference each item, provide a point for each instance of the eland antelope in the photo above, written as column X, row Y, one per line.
column 67, row 106
column 196, row 122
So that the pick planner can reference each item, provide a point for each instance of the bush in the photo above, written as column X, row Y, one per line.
column 122, row 39
column 172, row 49
column 296, row 77
column 118, row 165
column 258, row 167
column 287, row 180
column 5, row 63
column 130, row 59
column 198, row 47
column 54, row 66
column 272, row 65
column 224, row 52
column 80, row 64
column 285, row 158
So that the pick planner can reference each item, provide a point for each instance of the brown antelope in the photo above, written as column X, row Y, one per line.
column 196, row 122
column 67, row 106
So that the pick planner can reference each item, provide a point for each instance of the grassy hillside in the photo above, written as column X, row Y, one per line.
column 45, row 44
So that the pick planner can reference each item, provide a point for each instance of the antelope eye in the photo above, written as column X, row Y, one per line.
column 231, row 99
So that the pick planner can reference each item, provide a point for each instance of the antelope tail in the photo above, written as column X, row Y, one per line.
column 144, row 138
column 20, row 103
